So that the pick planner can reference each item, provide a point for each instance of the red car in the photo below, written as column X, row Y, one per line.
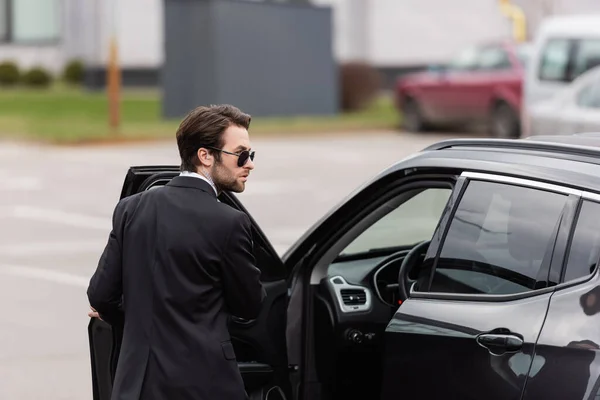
column 481, row 84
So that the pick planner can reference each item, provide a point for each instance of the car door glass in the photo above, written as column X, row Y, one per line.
column 555, row 60
column 466, row 60
column 494, row 58
column 587, row 56
column 409, row 223
column 585, row 244
column 498, row 240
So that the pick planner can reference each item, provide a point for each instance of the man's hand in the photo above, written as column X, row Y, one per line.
column 94, row 314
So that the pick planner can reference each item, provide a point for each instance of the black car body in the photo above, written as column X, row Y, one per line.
column 466, row 271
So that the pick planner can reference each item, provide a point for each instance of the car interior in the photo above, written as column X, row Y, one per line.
column 357, row 292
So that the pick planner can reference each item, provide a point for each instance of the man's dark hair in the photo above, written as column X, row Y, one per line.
column 204, row 127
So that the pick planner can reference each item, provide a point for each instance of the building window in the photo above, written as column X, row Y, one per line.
column 4, row 20
column 29, row 21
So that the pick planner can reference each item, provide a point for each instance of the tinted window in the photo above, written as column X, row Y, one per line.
column 498, row 240
column 566, row 59
column 555, row 60
column 411, row 222
column 587, row 56
column 584, row 251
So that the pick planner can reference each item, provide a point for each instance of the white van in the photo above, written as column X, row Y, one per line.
column 563, row 48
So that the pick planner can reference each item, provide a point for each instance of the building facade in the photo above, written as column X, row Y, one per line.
column 392, row 35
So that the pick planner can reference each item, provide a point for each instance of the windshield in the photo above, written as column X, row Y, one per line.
column 407, row 224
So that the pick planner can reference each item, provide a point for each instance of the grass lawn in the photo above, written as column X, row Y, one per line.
column 69, row 115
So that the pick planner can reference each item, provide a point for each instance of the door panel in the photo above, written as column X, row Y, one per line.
column 462, row 91
column 568, row 350
column 432, row 98
column 437, row 341
column 469, row 92
column 105, row 343
column 452, row 94
column 259, row 344
column 472, row 319
column 567, row 355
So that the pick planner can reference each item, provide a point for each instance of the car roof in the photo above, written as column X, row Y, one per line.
column 577, row 24
column 589, row 140
column 506, row 43
column 571, row 160
column 587, row 144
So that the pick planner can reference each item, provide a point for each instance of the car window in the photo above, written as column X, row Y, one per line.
column 586, row 57
column 585, row 245
column 409, row 223
column 466, row 60
column 498, row 240
column 555, row 60
column 494, row 58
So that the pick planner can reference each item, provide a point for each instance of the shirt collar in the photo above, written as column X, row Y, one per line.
column 197, row 175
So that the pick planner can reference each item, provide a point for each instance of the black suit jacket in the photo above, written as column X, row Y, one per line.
column 177, row 264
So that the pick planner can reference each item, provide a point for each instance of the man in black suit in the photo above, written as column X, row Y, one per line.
column 178, row 264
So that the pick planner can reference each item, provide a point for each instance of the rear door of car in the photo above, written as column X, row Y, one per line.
column 449, row 94
column 472, row 319
column 567, row 356
column 260, row 344
column 493, row 70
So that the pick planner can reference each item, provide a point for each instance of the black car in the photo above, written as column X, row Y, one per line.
column 466, row 271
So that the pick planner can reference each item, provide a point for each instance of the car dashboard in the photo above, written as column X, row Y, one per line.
column 354, row 303
column 375, row 284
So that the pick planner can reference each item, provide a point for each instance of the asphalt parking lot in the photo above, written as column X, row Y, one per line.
column 55, row 212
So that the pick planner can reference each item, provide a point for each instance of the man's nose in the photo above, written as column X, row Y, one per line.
column 249, row 164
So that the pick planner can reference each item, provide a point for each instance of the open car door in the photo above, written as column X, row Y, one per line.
column 259, row 344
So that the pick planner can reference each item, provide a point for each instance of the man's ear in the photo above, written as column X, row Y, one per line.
column 205, row 158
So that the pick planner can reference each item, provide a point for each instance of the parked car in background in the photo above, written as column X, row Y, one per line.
column 563, row 49
column 574, row 109
column 483, row 83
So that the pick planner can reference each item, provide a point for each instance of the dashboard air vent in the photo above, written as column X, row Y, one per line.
column 354, row 296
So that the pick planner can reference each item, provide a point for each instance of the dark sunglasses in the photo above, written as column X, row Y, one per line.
column 242, row 156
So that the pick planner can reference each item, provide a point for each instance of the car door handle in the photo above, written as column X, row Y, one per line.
column 499, row 344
